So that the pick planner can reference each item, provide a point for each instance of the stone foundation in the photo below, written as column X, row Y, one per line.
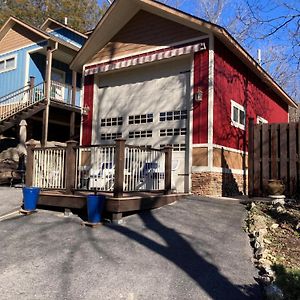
column 219, row 184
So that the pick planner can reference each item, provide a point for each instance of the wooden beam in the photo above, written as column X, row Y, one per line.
column 119, row 168
column 29, row 165
column 168, row 169
column 70, row 170
column 74, row 81
column 251, row 157
column 72, row 125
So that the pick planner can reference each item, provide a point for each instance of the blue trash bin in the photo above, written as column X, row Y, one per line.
column 30, row 197
column 95, row 205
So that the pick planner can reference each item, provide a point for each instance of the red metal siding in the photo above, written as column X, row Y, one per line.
column 233, row 81
column 88, row 99
column 200, row 111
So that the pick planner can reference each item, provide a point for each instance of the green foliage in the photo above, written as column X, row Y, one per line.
column 82, row 15
column 289, row 281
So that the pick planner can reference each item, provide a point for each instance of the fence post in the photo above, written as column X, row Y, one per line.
column 31, row 86
column 29, row 165
column 168, row 169
column 119, row 167
column 70, row 171
column 251, row 157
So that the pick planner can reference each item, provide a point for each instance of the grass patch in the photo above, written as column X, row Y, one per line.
column 289, row 281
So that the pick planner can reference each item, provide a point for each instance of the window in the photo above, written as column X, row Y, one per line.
column 111, row 122
column 176, row 147
column 172, row 131
column 140, row 119
column 140, row 134
column 8, row 63
column 173, row 115
column 260, row 120
column 111, row 136
column 238, row 115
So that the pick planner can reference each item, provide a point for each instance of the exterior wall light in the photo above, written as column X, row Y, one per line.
column 85, row 110
column 198, row 95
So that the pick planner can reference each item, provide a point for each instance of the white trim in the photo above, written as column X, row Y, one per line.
column 5, row 59
column 210, row 119
column 144, row 51
column 261, row 120
column 220, row 147
column 26, row 79
column 190, row 129
column 240, row 108
column 81, row 105
column 219, row 170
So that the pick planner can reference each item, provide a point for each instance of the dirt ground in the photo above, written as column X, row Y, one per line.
column 284, row 239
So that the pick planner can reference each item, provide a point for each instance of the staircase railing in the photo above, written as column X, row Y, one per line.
column 21, row 99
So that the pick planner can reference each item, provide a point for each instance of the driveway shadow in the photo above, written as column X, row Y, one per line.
column 181, row 253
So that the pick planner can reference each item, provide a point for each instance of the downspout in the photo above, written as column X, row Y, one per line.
column 47, row 92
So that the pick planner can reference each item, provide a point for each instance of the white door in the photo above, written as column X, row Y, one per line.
column 57, row 84
column 148, row 105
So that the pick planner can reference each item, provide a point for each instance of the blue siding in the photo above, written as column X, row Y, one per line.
column 15, row 79
column 37, row 67
column 69, row 36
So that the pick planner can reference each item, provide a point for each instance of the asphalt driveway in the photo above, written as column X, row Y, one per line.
column 193, row 249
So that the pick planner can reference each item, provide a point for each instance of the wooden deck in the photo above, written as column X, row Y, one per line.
column 116, row 207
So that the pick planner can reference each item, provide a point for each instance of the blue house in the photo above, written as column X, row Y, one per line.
column 36, row 82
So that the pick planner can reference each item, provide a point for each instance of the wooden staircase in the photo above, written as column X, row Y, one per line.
column 21, row 105
column 21, row 115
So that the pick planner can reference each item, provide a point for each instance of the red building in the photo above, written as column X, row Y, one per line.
column 156, row 76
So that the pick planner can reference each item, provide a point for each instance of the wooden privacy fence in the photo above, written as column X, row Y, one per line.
column 274, row 153
column 116, row 168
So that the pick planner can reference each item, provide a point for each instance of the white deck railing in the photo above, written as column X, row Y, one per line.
column 49, row 168
column 140, row 168
column 95, row 168
column 144, row 169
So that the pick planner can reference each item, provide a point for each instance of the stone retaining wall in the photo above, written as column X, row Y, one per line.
column 219, row 184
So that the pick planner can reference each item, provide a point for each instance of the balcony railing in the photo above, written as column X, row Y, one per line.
column 63, row 92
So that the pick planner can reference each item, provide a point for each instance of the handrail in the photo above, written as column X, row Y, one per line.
column 21, row 100
column 14, row 93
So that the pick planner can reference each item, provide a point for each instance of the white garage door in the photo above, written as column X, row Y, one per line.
column 148, row 105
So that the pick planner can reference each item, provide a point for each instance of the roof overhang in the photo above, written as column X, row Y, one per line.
column 44, row 36
column 121, row 11
column 50, row 21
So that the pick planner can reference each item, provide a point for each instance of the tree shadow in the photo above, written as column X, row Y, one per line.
column 181, row 253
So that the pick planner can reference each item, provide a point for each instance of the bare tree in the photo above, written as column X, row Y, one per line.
column 273, row 26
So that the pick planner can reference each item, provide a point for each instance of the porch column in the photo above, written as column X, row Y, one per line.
column 47, row 96
column 74, row 81
column 29, row 165
column 70, row 170
column 72, row 125
column 73, row 102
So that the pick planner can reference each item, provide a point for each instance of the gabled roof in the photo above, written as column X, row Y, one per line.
column 13, row 20
column 121, row 11
column 50, row 21
column 44, row 35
